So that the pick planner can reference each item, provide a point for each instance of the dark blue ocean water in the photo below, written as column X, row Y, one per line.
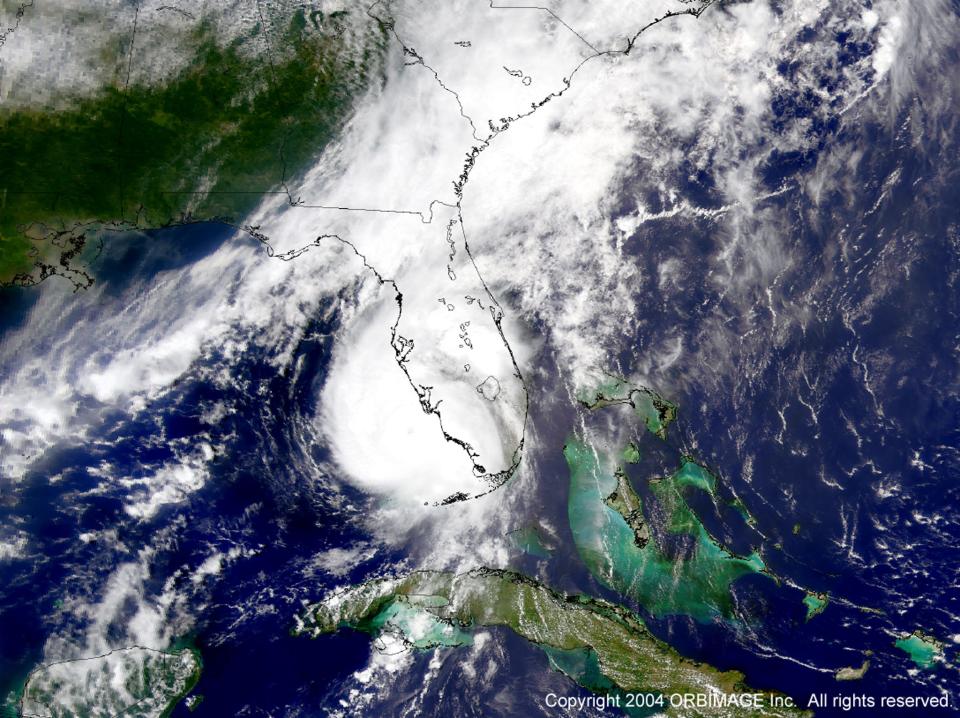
column 831, row 402
column 258, row 498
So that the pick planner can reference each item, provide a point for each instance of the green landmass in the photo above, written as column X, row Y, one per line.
column 148, row 681
column 610, row 390
column 656, row 412
column 582, row 665
column 603, row 646
column 815, row 603
column 682, row 569
column 631, row 454
column 625, row 501
column 925, row 651
column 204, row 145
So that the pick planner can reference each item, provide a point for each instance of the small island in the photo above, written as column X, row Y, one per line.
column 656, row 412
column 850, row 673
column 816, row 603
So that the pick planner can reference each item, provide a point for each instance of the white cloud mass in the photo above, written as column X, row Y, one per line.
column 509, row 131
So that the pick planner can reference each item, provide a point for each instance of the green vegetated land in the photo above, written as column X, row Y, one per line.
column 602, row 646
column 203, row 145
column 656, row 412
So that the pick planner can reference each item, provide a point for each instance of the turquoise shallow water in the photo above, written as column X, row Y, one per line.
column 416, row 625
column 695, row 582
